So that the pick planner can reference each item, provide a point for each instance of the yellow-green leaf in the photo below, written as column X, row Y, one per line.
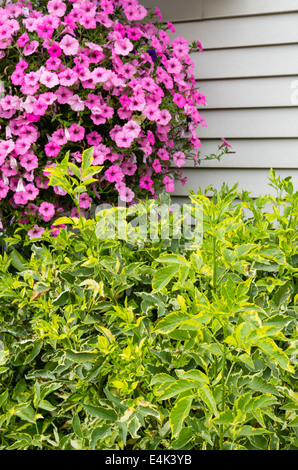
column 179, row 413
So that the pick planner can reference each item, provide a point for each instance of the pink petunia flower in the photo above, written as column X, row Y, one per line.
column 30, row 48
column 171, row 27
column 31, row 191
column 124, row 139
column 163, row 154
column 114, row 174
column 164, row 117
column 4, row 188
column 156, row 165
column 29, row 161
column 169, row 184
column 52, row 149
column 49, row 79
column 23, row 39
column 69, row 45
column 76, row 132
column 179, row 100
column 133, row 33
column 225, row 143
column 63, row 95
column 146, row 182
column 20, row 198
column 22, row 145
column 132, row 128
column 56, row 229
column 174, row 66
column 126, row 194
column 59, row 137
column 40, row 107
column 46, row 211
column 36, row 232
column 68, row 77
column 179, row 159
column 93, row 138
column 199, row 46
column 75, row 102
column 152, row 113
column 84, row 201
column 54, row 50
column 129, row 168
column 158, row 13
column 53, row 63
column 123, row 46
column 44, row 30
column 56, row 7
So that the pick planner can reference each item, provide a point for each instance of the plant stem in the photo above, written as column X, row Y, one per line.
column 214, row 265
column 223, row 389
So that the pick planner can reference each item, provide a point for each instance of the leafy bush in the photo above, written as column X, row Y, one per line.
column 112, row 338
column 102, row 74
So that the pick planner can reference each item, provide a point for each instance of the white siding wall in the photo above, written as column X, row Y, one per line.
column 249, row 74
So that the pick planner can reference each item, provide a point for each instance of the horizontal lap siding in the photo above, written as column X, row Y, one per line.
column 249, row 123
column 263, row 61
column 224, row 8
column 253, row 180
column 250, row 93
column 240, row 32
column 249, row 75
column 189, row 10
column 251, row 153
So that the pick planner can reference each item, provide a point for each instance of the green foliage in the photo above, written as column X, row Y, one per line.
column 111, row 338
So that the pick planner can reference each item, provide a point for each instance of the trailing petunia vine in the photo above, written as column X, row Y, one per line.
column 102, row 74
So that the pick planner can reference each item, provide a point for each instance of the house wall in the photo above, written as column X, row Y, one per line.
column 249, row 75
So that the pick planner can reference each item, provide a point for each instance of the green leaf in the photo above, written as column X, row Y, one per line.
column 225, row 417
column 162, row 379
column 207, row 396
column 62, row 299
column 17, row 260
column 75, row 169
column 65, row 221
column 46, row 405
column 4, row 356
column 179, row 413
column 35, row 351
column 76, row 424
column 264, row 401
column 87, row 159
column 163, row 276
column 80, row 189
column 196, row 375
column 261, row 385
column 90, row 172
column 172, row 259
column 133, row 427
column 25, row 412
column 243, row 402
column 88, row 181
column 185, row 436
column 178, row 387
column 250, row 431
column 294, row 422
column 101, row 412
column 100, row 433
column 171, row 321
column 3, row 397
column 269, row 347
column 81, row 356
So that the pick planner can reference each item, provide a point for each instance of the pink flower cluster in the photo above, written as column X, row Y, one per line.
column 100, row 73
